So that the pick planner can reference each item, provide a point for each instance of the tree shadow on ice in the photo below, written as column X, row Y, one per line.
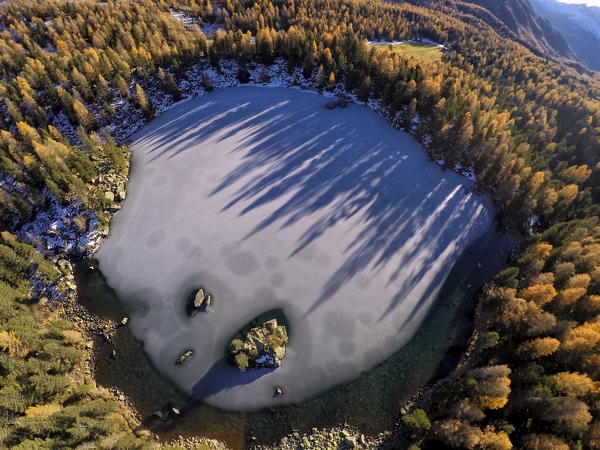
column 222, row 375
column 397, row 203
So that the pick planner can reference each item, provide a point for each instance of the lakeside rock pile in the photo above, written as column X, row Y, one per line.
column 338, row 438
column 263, row 346
column 112, row 182
column 340, row 102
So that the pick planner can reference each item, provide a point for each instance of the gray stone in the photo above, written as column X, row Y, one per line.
column 65, row 265
column 202, row 301
column 109, row 196
column 184, row 357
column 199, row 298
column 350, row 442
column 342, row 102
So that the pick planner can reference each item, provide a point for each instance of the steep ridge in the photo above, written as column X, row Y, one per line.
column 517, row 19
column 579, row 24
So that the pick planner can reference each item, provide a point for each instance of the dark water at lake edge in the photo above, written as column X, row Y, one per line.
column 370, row 403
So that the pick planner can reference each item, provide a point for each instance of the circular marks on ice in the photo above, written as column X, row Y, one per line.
column 268, row 201
column 156, row 238
column 322, row 259
column 193, row 251
column 307, row 253
column 277, row 279
column 242, row 263
column 339, row 325
column 365, row 318
column 183, row 243
column 159, row 181
column 346, row 348
column 227, row 250
column 272, row 263
column 361, row 282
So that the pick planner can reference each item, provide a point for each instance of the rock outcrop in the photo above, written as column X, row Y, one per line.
column 263, row 346
column 184, row 357
column 200, row 301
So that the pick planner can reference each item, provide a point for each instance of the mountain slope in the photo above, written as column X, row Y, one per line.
column 579, row 24
column 524, row 23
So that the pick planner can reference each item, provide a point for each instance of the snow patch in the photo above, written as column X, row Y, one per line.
column 210, row 29
column 385, row 42
column 410, row 41
column 55, row 229
column 188, row 21
column 265, row 359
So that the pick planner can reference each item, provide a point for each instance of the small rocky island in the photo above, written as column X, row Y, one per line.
column 199, row 300
column 183, row 357
column 261, row 346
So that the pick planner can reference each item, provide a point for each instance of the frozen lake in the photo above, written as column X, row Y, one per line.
column 269, row 200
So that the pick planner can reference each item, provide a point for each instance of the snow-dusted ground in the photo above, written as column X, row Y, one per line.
column 411, row 41
column 187, row 20
column 269, row 200
column 385, row 42
column 209, row 29
column 54, row 230
column 428, row 41
column 57, row 228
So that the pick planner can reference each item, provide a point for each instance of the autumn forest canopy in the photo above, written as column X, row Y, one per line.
column 527, row 126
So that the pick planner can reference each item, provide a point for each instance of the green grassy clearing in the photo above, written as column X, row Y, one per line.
column 421, row 51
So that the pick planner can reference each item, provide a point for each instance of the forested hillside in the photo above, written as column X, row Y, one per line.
column 528, row 128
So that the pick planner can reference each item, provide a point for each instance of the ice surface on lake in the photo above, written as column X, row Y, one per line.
column 269, row 200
